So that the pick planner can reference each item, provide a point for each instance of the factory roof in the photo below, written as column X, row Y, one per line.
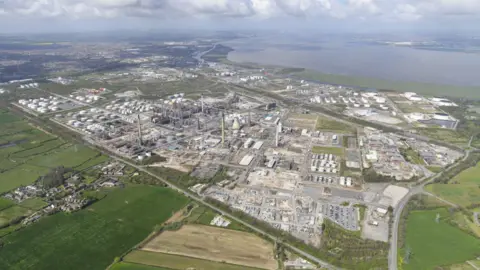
column 246, row 160
column 258, row 145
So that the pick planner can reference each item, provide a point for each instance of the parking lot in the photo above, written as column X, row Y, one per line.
column 345, row 216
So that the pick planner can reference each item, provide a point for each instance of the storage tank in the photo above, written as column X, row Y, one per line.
column 441, row 116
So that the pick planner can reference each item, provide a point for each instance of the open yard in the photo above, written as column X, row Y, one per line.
column 307, row 121
column 435, row 244
column 215, row 244
column 462, row 189
column 326, row 124
column 177, row 262
column 336, row 151
column 93, row 237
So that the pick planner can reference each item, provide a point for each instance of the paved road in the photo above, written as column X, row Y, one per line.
column 393, row 257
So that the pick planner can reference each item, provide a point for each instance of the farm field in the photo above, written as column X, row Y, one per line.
column 176, row 262
column 465, row 192
column 135, row 266
column 332, row 125
column 93, row 237
column 460, row 266
column 435, row 244
column 465, row 222
column 336, row 151
column 33, row 203
column 203, row 242
column 4, row 203
column 9, row 214
column 28, row 153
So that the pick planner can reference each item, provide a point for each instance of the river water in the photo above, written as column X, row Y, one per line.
column 364, row 60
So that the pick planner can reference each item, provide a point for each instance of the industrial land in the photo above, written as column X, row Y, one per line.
column 271, row 172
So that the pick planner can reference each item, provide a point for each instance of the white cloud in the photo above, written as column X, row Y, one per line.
column 406, row 12
column 366, row 9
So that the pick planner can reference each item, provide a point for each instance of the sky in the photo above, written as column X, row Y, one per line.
column 361, row 15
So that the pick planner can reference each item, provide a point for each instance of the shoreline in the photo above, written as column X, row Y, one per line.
column 369, row 83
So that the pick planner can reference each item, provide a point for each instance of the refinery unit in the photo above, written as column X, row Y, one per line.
column 45, row 105
column 28, row 85
column 264, row 150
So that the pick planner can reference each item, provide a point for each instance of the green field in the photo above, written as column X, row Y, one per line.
column 446, row 135
column 434, row 169
column 134, row 266
column 33, row 204
column 93, row 237
column 336, row 151
column 33, row 153
column 435, row 244
column 463, row 189
column 420, row 88
column 333, row 126
column 9, row 214
column 5, row 203
column 178, row 262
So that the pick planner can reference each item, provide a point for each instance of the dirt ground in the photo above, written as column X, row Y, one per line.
column 215, row 244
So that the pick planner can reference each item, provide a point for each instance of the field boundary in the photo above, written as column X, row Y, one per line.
column 188, row 258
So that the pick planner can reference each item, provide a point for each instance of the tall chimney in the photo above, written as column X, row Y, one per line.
column 139, row 131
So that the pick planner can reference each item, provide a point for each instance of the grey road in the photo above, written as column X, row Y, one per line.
column 393, row 257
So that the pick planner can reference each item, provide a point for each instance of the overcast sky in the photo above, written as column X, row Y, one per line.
column 364, row 15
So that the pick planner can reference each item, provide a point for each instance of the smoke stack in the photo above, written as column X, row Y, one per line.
column 139, row 131
column 249, row 118
column 223, row 129
column 201, row 100
column 277, row 134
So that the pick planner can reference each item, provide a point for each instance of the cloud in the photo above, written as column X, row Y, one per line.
column 406, row 12
column 402, row 10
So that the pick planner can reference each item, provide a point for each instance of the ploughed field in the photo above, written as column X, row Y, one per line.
column 215, row 244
